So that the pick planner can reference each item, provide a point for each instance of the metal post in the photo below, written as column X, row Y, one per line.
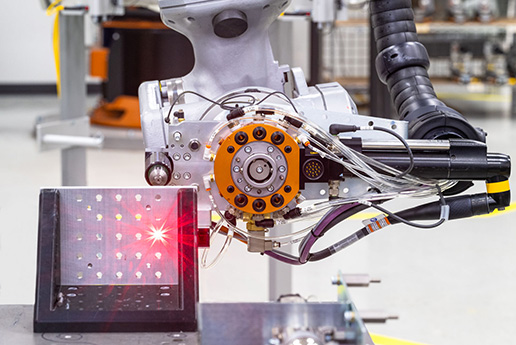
column 280, row 279
column 280, row 276
column 73, row 92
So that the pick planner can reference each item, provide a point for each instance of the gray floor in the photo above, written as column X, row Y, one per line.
column 450, row 286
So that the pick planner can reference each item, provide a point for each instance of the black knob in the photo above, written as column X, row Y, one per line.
column 230, row 24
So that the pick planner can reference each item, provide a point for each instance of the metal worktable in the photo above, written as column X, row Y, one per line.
column 16, row 329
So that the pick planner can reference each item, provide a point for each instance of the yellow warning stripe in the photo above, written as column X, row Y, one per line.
column 498, row 187
column 383, row 340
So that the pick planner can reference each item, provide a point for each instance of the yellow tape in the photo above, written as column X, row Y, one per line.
column 55, row 8
column 383, row 340
column 498, row 187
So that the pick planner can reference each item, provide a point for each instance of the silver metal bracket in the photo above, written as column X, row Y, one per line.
column 65, row 134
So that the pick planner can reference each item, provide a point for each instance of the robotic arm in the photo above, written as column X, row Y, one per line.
column 266, row 149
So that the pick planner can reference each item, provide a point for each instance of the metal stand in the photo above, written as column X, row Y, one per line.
column 71, row 133
column 280, row 279
column 73, row 93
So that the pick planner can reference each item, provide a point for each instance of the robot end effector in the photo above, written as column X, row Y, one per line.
column 257, row 143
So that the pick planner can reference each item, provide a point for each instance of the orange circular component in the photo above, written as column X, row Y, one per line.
column 260, row 168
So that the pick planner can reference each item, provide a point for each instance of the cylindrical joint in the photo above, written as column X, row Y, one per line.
column 158, row 168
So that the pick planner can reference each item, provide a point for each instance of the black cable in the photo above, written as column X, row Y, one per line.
column 167, row 119
column 338, row 246
column 410, row 223
column 226, row 101
column 285, row 98
column 404, row 142
column 336, row 129
column 327, row 222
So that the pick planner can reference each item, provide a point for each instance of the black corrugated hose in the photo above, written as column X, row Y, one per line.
column 402, row 64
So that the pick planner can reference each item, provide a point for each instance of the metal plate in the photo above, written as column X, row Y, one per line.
column 269, row 318
column 118, row 236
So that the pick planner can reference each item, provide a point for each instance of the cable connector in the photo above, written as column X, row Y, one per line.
column 336, row 129
column 235, row 113
column 445, row 212
column 303, row 139
column 292, row 214
column 207, row 182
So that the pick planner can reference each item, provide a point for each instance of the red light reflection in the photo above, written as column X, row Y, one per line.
column 158, row 234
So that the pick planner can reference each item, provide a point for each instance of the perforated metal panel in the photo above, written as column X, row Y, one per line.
column 118, row 236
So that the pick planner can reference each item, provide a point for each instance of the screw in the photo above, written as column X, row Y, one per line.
column 177, row 136
column 236, row 169
column 187, row 176
column 248, row 188
column 259, row 170
column 270, row 188
column 282, row 169
column 270, row 149
column 248, row 149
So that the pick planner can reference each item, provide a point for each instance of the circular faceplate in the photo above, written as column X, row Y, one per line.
column 258, row 168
